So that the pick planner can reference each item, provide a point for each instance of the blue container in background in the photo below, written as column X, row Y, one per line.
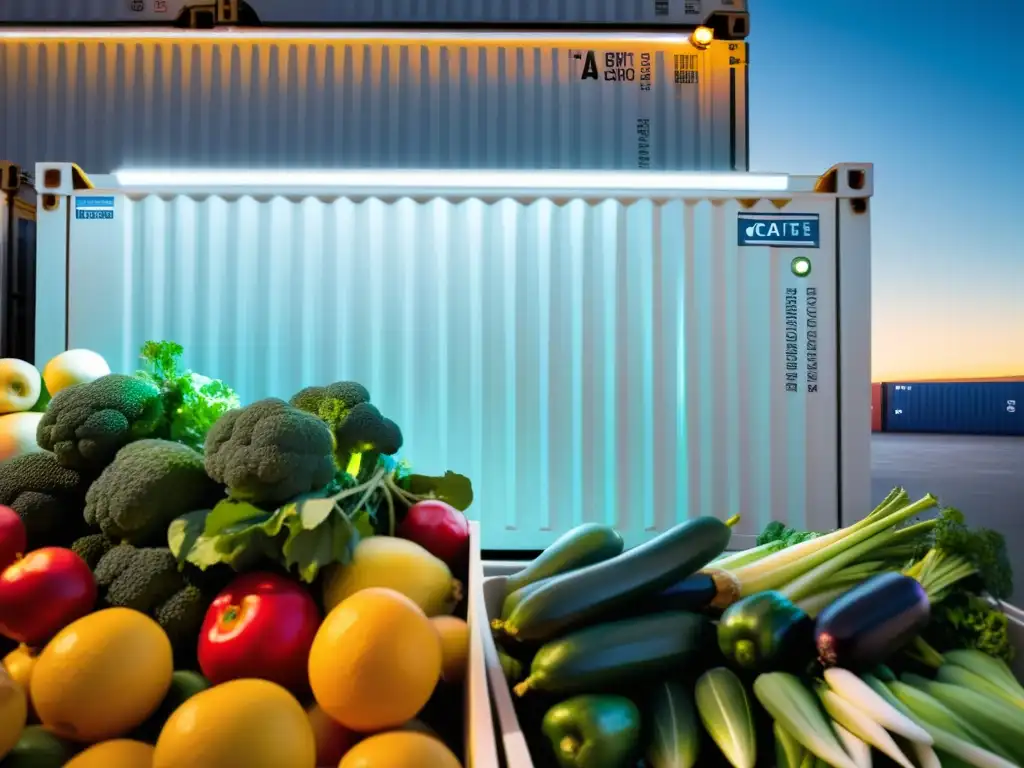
column 967, row 408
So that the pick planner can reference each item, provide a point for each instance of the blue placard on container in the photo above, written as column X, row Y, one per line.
column 779, row 230
column 94, row 207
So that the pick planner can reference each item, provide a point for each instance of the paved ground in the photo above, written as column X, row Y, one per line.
column 982, row 476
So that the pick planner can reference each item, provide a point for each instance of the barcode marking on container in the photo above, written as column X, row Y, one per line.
column 661, row 7
column 686, row 69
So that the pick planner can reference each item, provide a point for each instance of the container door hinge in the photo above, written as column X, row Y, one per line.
column 10, row 176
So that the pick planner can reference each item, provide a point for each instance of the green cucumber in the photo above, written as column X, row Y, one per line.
column 675, row 734
column 607, row 655
column 605, row 589
column 584, row 545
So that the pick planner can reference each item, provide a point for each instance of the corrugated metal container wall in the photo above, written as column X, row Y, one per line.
column 622, row 361
column 647, row 12
column 429, row 100
column 969, row 408
column 877, row 409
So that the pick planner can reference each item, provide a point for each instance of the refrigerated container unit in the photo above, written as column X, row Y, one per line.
column 636, row 348
column 727, row 18
column 17, row 263
column 965, row 408
column 119, row 98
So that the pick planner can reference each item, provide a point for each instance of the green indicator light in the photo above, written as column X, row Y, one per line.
column 801, row 266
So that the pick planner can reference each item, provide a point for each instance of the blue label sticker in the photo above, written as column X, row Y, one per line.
column 94, row 207
column 779, row 230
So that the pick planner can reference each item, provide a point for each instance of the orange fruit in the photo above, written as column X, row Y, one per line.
column 400, row 749
column 375, row 660
column 332, row 738
column 119, row 753
column 248, row 722
column 13, row 713
column 102, row 675
column 454, row 635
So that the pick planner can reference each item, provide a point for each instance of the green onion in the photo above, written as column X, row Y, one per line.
column 783, row 567
column 996, row 671
column 734, row 560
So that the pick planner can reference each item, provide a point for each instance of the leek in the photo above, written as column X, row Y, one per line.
column 783, row 567
column 733, row 560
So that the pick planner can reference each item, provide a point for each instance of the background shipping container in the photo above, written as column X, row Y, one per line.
column 723, row 15
column 17, row 264
column 967, row 408
column 628, row 348
column 110, row 99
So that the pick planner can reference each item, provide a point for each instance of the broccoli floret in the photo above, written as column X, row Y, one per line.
column 148, row 580
column 367, row 434
column 92, row 547
column 149, row 483
column 774, row 531
column 47, row 497
column 87, row 424
column 331, row 403
column 269, row 452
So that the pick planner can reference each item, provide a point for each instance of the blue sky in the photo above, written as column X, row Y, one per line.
column 939, row 109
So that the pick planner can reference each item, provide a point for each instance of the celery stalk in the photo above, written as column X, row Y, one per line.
column 783, row 567
column 821, row 575
column 819, row 601
column 734, row 560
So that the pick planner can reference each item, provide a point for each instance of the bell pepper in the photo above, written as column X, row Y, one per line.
column 765, row 632
column 594, row 731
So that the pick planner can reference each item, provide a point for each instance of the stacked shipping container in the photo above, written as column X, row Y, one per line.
column 963, row 408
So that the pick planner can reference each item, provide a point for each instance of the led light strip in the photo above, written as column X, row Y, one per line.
column 484, row 182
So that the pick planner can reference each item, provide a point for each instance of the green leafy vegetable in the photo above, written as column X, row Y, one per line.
column 310, row 532
column 777, row 532
column 192, row 402
column 968, row 621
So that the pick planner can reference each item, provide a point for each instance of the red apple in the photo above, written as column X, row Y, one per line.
column 44, row 592
column 13, row 539
column 262, row 625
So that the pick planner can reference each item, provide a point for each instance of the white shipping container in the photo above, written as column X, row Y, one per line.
column 634, row 348
column 727, row 16
column 110, row 99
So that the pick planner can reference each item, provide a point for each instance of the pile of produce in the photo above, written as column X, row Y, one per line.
column 189, row 581
column 876, row 644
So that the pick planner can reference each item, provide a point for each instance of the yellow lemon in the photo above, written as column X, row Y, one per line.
column 454, row 633
column 375, row 660
column 245, row 723
column 400, row 749
column 19, row 664
column 102, row 675
column 119, row 753
column 13, row 713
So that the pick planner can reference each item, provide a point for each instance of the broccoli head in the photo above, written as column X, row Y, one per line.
column 367, row 434
column 331, row 403
column 92, row 547
column 269, row 452
column 47, row 497
column 85, row 425
column 148, row 580
column 149, row 483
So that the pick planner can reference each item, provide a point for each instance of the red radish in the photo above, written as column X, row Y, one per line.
column 42, row 593
column 13, row 539
column 440, row 529
column 261, row 625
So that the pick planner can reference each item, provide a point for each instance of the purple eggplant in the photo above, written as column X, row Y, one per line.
column 872, row 622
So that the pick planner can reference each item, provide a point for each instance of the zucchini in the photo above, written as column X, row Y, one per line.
column 584, row 545
column 585, row 595
column 513, row 599
column 675, row 734
column 606, row 655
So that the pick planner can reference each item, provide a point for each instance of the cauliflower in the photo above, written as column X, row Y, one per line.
column 87, row 424
column 149, row 483
column 47, row 497
column 269, row 452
